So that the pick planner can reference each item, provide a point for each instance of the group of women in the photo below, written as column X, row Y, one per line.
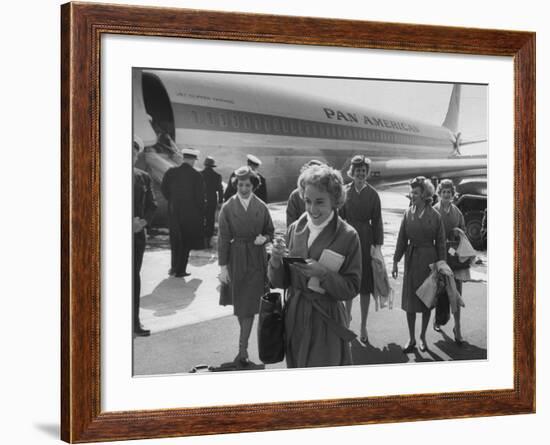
column 344, row 219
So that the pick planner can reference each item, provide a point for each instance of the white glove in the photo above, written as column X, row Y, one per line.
column 260, row 240
column 224, row 275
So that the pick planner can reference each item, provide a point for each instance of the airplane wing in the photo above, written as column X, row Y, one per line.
column 396, row 171
column 472, row 141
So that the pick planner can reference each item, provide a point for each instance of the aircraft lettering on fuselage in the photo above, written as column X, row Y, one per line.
column 369, row 120
column 341, row 116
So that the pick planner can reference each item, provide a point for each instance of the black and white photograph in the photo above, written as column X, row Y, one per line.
column 285, row 221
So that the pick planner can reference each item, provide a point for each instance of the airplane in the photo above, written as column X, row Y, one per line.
column 228, row 117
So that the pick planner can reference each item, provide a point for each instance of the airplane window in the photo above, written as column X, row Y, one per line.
column 293, row 127
column 195, row 116
column 223, row 120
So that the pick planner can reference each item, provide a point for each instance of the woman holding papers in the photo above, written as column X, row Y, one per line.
column 452, row 219
column 316, row 321
column 363, row 211
column 422, row 240
column 245, row 226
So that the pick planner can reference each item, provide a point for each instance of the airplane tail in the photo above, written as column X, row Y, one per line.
column 451, row 119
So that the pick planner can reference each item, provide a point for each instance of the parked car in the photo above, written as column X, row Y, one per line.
column 471, row 199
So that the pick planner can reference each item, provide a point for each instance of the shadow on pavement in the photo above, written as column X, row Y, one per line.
column 466, row 351
column 171, row 295
column 370, row 355
column 432, row 356
column 232, row 366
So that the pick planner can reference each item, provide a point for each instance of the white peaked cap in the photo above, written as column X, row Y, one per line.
column 253, row 159
column 189, row 152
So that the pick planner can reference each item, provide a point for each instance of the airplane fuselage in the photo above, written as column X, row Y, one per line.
column 227, row 118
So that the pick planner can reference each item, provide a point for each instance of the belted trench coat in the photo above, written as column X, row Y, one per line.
column 315, row 324
column 364, row 212
column 246, row 262
column 422, row 241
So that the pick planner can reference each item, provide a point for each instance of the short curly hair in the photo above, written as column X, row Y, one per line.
column 425, row 185
column 356, row 162
column 325, row 179
column 446, row 184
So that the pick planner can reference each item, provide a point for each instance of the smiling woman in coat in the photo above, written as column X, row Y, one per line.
column 316, row 321
column 245, row 226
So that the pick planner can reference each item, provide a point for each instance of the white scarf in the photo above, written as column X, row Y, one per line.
column 315, row 231
column 245, row 202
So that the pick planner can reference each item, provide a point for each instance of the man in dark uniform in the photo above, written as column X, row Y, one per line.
column 214, row 195
column 183, row 188
column 144, row 207
column 261, row 192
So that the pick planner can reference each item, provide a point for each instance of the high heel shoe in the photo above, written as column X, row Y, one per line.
column 458, row 339
column 242, row 359
column 364, row 337
column 423, row 346
column 411, row 346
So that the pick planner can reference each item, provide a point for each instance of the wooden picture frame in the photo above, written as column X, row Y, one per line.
column 82, row 26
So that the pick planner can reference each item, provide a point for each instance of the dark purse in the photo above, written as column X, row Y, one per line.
column 271, row 328
column 442, row 307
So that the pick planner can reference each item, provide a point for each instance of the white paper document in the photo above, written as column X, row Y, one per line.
column 332, row 261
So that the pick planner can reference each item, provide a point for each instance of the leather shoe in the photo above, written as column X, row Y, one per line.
column 182, row 275
column 411, row 346
column 241, row 360
column 423, row 346
column 458, row 340
column 364, row 337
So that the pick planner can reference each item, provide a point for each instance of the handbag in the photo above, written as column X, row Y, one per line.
column 271, row 328
column 442, row 306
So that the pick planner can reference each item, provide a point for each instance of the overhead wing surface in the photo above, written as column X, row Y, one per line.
column 397, row 169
